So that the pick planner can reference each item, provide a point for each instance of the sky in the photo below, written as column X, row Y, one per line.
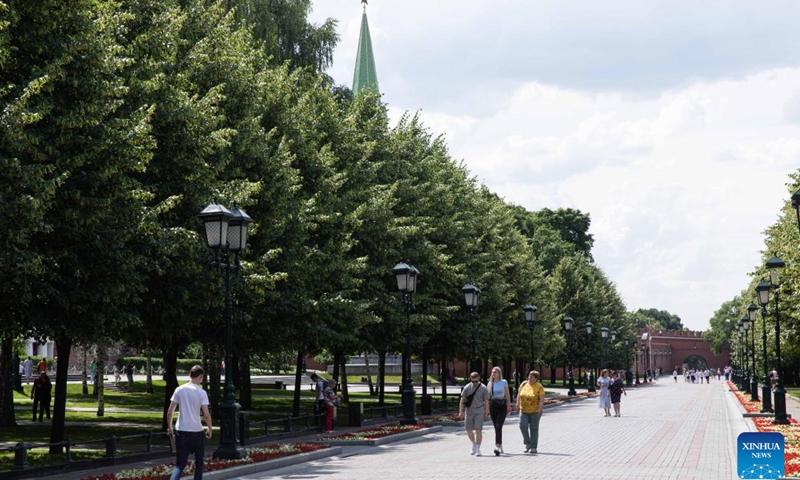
column 674, row 125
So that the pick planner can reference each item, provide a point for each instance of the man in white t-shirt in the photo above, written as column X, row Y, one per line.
column 189, row 433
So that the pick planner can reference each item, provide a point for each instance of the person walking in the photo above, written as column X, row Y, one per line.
column 129, row 368
column 675, row 375
column 530, row 405
column 332, row 401
column 319, row 397
column 615, row 391
column 40, row 393
column 28, row 366
column 41, row 367
column 605, row 401
column 191, row 399
column 499, row 406
column 474, row 407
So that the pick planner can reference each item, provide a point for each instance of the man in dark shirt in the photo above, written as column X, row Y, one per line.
column 41, row 396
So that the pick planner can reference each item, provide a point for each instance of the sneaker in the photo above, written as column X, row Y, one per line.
column 533, row 450
column 500, row 447
column 527, row 449
column 472, row 452
column 478, row 452
column 496, row 452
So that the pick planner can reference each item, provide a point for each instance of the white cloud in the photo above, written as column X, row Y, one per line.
column 674, row 126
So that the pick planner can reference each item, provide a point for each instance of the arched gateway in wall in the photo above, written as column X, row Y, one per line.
column 668, row 349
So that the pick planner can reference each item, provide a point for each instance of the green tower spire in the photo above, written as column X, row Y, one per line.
column 365, row 76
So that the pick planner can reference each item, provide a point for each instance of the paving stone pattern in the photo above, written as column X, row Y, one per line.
column 669, row 431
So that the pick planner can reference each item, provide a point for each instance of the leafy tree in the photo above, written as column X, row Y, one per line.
column 658, row 319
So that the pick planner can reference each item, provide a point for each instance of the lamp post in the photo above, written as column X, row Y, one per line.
column 774, row 265
column 604, row 336
column 762, row 289
column 568, row 327
column 739, row 377
column 752, row 315
column 590, row 386
column 627, row 363
column 406, row 276
column 636, row 357
column 530, row 319
column 613, row 334
column 226, row 233
column 471, row 294
column 747, row 382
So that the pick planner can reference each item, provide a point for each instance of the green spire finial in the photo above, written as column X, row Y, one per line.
column 365, row 75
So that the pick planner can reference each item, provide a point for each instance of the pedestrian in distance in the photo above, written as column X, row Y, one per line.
column 332, row 401
column 189, row 434
column 615, row 391
column 530, row 404
column 474, row 407
column 604, row 401
column 40, row 393
column 499, row 406
column 675, row 375
column 319, row 397
column 41, row 367
column 28, row 366
column 129, row 369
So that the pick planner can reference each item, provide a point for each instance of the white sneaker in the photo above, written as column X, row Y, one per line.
column 472, row 452
column 478, row 452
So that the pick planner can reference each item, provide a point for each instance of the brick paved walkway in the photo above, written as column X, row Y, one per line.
column 674, row 431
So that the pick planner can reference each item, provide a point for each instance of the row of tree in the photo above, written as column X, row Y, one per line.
column 781, row 239
column 121, row 119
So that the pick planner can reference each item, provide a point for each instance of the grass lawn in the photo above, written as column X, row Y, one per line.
column 795, row 392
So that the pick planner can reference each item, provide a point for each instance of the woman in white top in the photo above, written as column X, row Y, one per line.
column 499, row 406
column 605, row 401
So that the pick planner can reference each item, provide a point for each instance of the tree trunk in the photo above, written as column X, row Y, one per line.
column 215, row 372
column 85, row 366
column 444, row 377
column 101, row 370
column 337, row 357
column 245, row 383
column 343, row 382
column 171, row 378
column 369, row 374
column 381, row 377
column 149, row 366
column 298, row 383
column 424, row 371
column 64, row 345
column 7, row 371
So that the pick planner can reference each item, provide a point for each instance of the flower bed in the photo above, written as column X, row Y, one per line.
column 447, row 419
column 373, row 433
column 252, row 455
column 790, row 432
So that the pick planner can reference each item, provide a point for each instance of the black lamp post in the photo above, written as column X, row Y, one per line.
column 406, row 276
column 604, row 336
column 774, row 265
column 739, row 378
column 627, row 363
column 589, row 380
column 530, row 318
column 613, row 334
column 637, row 357
column 763, row 299
column 747, row 382
column 752, row 315
column 226, row 232
column 471, row 294
column 568, row 327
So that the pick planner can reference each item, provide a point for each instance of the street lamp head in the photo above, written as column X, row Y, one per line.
column 406, row 276
column 530, row 315
column 751, row 311
column 237, row 229
column 745, row 322
column 568, row 323
column 627, row 342
column 216, row 219
column 613, row 335
column 763, row 292
column 604, row 332
column 796, row 205
column 589, row 328
column 774, row 265
column 471, row 294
